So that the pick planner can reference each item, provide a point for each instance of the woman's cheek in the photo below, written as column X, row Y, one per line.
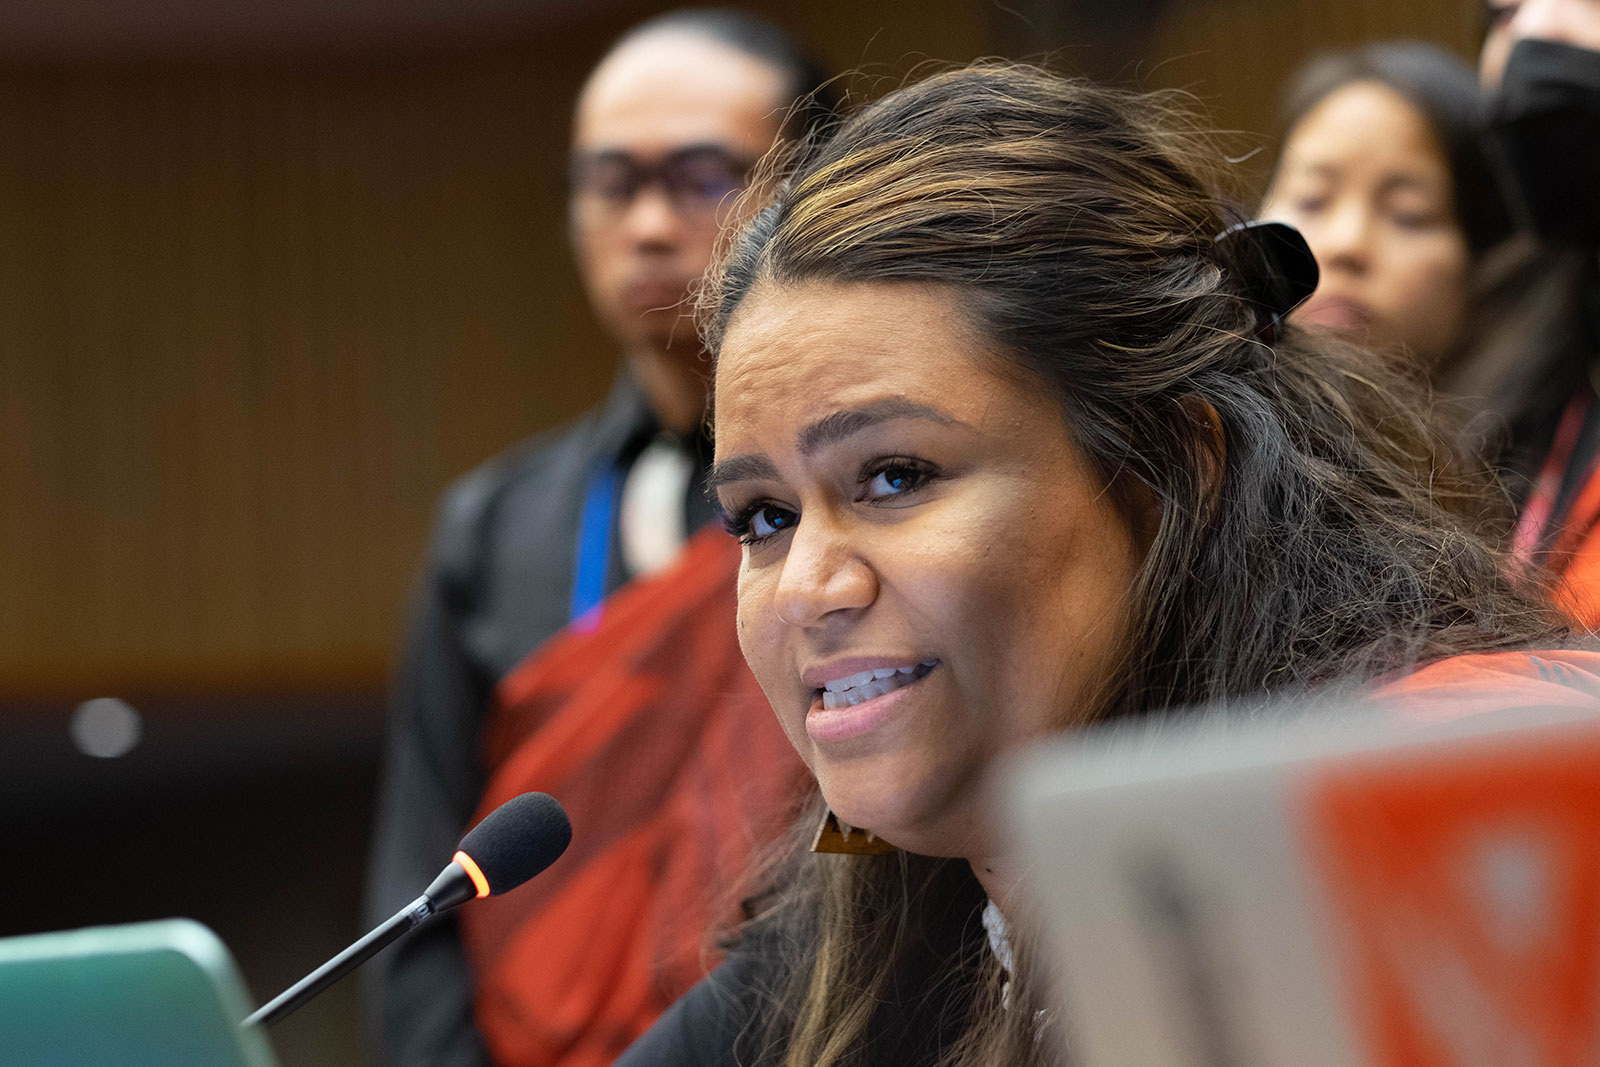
column 1440, row 295
column 760, row 641
column 754, row 627
column 1436, row 264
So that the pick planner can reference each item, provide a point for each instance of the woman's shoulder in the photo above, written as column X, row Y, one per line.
column 705, row 1026
column 1457, row 686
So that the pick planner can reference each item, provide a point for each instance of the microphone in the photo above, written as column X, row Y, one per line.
column 513, row 843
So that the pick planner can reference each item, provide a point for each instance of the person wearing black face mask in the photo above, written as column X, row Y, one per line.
column 1545, row 123
column 1541, row 69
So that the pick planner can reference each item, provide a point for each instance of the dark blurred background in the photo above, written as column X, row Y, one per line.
column 270, row 276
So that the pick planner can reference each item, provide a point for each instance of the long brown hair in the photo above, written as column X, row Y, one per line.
column 1302, row 530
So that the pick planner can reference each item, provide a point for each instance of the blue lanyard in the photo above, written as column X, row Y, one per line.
column 594, row 545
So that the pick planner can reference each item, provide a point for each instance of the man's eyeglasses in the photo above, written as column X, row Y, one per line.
column 697, row 180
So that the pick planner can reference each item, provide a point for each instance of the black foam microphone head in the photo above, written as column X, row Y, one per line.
column 518, row 839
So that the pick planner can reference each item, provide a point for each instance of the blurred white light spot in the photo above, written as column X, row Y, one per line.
column 105, row 727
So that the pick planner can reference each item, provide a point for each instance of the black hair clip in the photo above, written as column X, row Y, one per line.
column 1277, row 271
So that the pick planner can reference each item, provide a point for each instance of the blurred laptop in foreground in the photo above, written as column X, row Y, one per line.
column 1322, row 887
column 156, row 994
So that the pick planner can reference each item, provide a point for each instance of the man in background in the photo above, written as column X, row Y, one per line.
column 534, row 545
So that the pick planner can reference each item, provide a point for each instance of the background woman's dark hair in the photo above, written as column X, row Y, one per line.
column 1303, row 527
column 1440, row 86
column 808, row 84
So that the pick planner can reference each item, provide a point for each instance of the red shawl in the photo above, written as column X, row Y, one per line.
column 650, row 730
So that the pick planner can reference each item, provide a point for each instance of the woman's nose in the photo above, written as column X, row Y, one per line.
column 824, row 574
column 1554, row 20
column 1344, row 240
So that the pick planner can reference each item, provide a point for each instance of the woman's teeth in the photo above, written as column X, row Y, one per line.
column 844, row 692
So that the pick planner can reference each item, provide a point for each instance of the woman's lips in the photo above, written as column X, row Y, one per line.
column 826, row 725
column 1339, row 312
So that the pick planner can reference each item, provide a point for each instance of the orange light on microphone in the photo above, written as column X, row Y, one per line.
column 465, row 862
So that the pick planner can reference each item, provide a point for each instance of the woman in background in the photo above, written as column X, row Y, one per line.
column 1012, row 446
column 1382, row 169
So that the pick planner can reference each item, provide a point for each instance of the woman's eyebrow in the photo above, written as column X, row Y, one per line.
column 752, row 467
column 841, row 424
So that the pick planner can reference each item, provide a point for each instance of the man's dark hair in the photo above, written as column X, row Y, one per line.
column 808, row 85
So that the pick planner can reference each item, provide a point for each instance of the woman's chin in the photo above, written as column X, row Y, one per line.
column 887, row 821
column 862, row 816
column 943, row 832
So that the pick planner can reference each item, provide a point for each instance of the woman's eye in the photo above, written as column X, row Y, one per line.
column 895, row 479
column 756, row 523
column 769, row 519
column 1496, row 14
column 1417, row 220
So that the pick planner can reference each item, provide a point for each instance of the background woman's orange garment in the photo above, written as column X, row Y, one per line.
column 1560, row 522
column 1474, row 683
column 1578, row 565
column 648, row 727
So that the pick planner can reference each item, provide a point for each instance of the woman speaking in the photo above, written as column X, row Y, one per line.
column 1015, row 438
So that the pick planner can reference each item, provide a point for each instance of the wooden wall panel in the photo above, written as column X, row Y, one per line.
column 1233, row 55
column 1237, row 54
column 251, row 321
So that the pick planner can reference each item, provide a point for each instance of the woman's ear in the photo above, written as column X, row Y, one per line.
column 1211, row 444
column 1142, row 507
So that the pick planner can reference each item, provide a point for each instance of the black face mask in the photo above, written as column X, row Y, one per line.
column 1545, row 123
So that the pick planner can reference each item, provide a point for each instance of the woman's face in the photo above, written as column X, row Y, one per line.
column 931, row 573
column 1365, row 179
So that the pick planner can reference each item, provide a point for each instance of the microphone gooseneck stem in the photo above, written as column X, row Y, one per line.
column 346, row 961
column 517, row 840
